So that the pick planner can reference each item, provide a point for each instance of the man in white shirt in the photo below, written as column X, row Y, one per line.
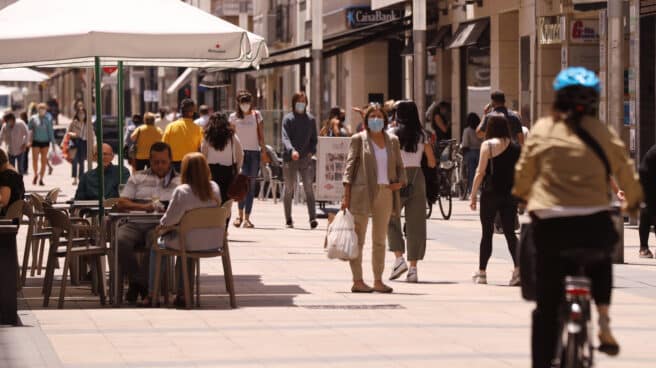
column 163, row 119
column 141, row 193
column 15, row 134
column 204, row 118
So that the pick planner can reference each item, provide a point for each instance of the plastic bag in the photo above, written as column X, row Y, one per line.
column 55, row 156
column 342, row 239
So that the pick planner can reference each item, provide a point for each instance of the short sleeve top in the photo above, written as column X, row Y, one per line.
column 13, row 180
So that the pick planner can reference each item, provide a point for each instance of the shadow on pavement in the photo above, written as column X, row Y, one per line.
column 250, row 290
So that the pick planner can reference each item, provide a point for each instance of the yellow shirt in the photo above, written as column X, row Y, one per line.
column 184, row 136
column 147, row 135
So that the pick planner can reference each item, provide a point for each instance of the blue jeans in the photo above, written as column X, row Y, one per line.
column 250, row 168
column 18, row 162
column 80, row 156
column 471, row 158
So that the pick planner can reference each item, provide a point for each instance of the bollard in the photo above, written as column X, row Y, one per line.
column 618, row 221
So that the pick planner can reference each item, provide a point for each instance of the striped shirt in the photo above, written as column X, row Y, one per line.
column 145, row 185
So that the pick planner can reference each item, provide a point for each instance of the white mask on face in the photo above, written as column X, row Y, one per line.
column 245, row 107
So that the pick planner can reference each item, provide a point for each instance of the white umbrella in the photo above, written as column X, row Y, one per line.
column 22, row 75
column 137, row 32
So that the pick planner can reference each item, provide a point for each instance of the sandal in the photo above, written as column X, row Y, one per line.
column 248, row 224
column 237, row 222
column 384, row 289
column 646, row 253
column 362, row 289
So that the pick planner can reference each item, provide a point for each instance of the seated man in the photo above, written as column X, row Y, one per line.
column 140, row 194
column 89, row 184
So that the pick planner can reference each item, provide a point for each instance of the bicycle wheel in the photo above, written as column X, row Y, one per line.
column 573, row 354
column 445, row 205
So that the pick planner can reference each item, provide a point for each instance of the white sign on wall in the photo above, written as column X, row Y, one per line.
column 584, row 31
column 331, row 162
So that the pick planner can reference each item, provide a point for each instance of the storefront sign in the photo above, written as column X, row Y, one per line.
column 584, row 31
column 331, row 162
column 364, row 16
column 549, row 30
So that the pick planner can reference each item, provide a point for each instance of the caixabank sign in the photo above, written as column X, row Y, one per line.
column 364, row 16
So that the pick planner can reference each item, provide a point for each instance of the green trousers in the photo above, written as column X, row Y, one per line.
column 415, row 219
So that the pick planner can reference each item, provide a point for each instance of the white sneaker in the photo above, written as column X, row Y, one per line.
column 399, row 268
column 514, row 279
column 480, row 277
column 412, row 275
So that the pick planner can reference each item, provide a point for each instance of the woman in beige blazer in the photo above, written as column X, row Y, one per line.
column 373, row 177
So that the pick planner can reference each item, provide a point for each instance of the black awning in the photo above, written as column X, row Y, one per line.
column 468, row 34
column 440, row 39
column 587, row 5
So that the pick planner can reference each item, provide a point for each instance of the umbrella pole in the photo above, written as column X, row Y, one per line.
column 121, row 117
column 99, row 136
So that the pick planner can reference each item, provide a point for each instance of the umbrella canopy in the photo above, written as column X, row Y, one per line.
column 143, row 32
column 22, row 75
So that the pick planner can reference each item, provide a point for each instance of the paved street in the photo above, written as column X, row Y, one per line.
column 295, row 309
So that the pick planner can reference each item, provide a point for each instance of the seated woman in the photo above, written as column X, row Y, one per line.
column 196, row 191
column 11, row 184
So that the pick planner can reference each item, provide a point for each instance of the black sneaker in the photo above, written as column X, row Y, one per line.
column 290, row 224
column 314, row 224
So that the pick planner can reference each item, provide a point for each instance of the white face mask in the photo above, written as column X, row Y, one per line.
column 245, row 107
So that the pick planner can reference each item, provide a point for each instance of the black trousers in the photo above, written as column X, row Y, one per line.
column 647, row 220
column 491, row 204
column 551, row 237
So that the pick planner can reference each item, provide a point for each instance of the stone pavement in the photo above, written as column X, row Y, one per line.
column 295, row 309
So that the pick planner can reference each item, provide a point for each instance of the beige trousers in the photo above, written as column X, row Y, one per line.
column 381, row 212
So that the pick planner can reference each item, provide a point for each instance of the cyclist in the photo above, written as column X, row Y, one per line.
column 565, row 182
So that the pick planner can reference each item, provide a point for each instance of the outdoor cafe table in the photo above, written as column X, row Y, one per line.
column 114, row 221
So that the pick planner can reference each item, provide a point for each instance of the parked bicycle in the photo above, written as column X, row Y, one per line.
column 448, row 174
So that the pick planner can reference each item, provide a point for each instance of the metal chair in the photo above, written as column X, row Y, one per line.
column 200, row 218
column 41, row 232
column 65, row 245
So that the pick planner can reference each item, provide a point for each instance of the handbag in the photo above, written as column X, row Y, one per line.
column 132, row 148
column 264, row 156
column 240, row 185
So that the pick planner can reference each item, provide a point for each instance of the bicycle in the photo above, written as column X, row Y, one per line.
column 575, row 348
column 446, row 170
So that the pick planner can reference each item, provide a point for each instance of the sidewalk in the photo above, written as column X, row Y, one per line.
column 296, row 309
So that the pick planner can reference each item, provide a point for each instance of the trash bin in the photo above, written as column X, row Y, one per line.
column 618, row 221
column 8, row 270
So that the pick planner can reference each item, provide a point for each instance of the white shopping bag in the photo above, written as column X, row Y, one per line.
column 55, row 156
column 342, row 239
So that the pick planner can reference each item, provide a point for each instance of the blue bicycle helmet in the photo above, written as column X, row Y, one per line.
column 576, row 76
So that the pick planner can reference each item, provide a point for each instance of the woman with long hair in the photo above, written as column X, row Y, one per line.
column 415, row 144
column 334, row 125
column 373, row 176
column 196, row 190
column 495, row 172
column 78, row 131
column 440, row 122
column 222, row 149
column 249, row 127
column 471, row 146
column 43, row 136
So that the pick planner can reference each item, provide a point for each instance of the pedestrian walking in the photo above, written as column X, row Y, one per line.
column 143, row 137
column 471, row 146
column 498, row 105
column 249, row 127
column 78, row 131
column 299, row 137
column 26, row 153
column 373, row 176
column 415, row 144
column 15, row 134
column 441, row 123
column 163, row 119
column 572, row 211
column 204, row 117
column 43, row 136
column 148, row 190
column 334, row 126
column 223, row 151
column 494, row 175
column 647, row 171
column 183, row 135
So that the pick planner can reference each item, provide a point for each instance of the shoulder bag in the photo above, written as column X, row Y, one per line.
column 240, row 185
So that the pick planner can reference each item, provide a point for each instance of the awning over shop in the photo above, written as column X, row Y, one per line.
column 440, row 39
column 468, row 34
column 22, row 75
column 180, row 81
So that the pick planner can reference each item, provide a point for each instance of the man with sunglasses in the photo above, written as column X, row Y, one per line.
column 148, row 190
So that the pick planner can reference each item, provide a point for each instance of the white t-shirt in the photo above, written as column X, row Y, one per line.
column 202, row 121
column 381, row 163
column 246, row 129
column 231, row 153
column 413, row 159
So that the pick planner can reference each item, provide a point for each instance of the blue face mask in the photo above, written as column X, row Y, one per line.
column 375, row 124
column 299, row 107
